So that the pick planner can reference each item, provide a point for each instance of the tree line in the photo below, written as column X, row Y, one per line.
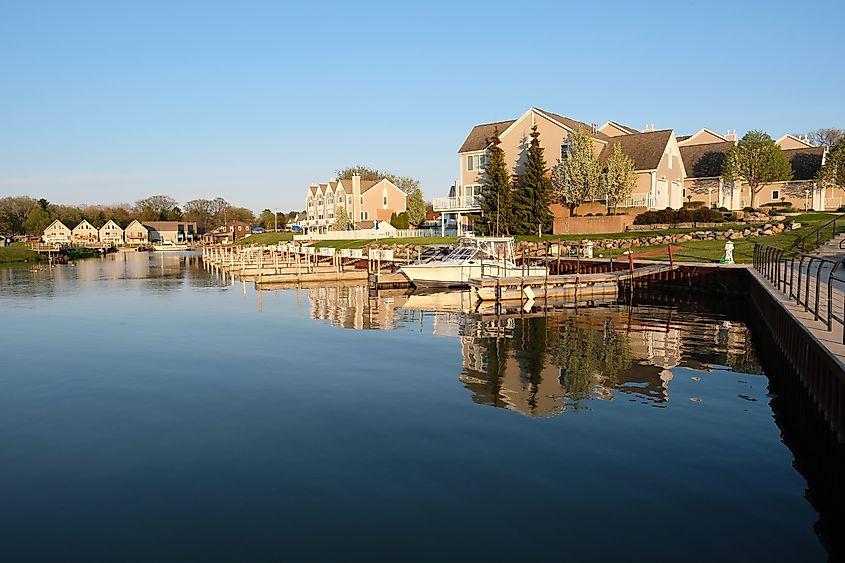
column 24, row 215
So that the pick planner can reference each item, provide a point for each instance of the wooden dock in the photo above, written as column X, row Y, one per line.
column 575, row 286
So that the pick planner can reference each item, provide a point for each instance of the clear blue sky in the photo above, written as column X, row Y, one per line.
column 109, row 102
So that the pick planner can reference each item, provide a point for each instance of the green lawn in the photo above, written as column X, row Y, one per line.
column 18, row 252
column 266, row 238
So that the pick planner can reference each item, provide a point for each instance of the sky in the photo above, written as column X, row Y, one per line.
column 110, row 102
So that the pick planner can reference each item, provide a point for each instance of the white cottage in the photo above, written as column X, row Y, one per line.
column 56, row 233
column 85, row 233
column 111, row 234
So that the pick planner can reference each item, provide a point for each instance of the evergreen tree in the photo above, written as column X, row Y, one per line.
column 416, row 207
column 534, row 195
column 496, row 191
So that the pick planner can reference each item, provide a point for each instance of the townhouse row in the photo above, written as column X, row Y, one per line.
column 671, row 170
column 364, row 201
column 111, row 234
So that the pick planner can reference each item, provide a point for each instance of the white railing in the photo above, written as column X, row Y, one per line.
column 366, row 234
column 648, row 201
column 464, row 203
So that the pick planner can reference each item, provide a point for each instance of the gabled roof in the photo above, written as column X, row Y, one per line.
column 790, row 141
column 477, row 140
column 645, row 149
column 110, row 222
column 705, row 161
column 622, row 129
column 135, row 223
column 682, row 138
column 54, row 224
column 367, row 184
column 478, row 136
column 702, row 136
column 806, row 162
column 83, row 223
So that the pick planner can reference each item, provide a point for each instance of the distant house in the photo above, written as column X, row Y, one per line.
column 174, row 231
column 363, row 201
column 56, row 233
column 228, row 233
column 136, row 234
column 85, row 233
column 111, row 234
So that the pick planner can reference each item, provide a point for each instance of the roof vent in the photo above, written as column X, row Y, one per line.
column 649, row 127
column 594, row 127
column 731, row 135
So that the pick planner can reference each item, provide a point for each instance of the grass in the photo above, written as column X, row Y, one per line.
column 18, row 252
column 265, row 238
column 714, row 250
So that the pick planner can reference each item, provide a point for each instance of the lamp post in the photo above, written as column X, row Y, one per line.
column 275, row 221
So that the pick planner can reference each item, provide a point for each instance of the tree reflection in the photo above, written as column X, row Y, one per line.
column 590, row 359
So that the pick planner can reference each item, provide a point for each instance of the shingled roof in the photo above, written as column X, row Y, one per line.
column 645, row 149
column 705, row 161
column 477, row 138
column 806, row 162
column 479, row 135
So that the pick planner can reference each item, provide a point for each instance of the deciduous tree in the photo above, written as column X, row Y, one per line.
column 826, row 136
column 619, row 178
column 833, row 171
column 758, row 161
column 576, row 179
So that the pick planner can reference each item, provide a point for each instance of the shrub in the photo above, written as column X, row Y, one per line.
column 748, row 209
column 670, row 216
column 777, row 204
column 722, row 209
column 694, row 204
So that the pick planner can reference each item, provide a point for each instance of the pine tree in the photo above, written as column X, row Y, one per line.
column 496, row 191
column 416, row 207
column 341, row 219
column 534, row 195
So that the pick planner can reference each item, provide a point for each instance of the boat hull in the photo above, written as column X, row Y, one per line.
column 458, row 275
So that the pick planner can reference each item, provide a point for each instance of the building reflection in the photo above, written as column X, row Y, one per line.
column 543, row 362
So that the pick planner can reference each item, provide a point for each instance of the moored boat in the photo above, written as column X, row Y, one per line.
column 474, row 257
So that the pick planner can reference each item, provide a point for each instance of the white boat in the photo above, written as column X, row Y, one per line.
column 474, row 257
column 168, row 245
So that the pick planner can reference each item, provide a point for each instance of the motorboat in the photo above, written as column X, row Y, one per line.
column 474, row 257
column 169, row 245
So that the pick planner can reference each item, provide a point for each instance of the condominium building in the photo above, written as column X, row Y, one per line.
column 364, row 201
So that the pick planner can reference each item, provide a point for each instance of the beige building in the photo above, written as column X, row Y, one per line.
column 704, row 155
column 660, row 170
column 136, row 234
column 365, row 201
column 85, row 233
column 174, row 231
column 56, row 233
column 111, row 234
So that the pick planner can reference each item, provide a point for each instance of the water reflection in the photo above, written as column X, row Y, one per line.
column 545, row 362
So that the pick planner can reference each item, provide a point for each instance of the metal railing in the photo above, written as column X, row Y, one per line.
column 820, row 235
column 807, row 279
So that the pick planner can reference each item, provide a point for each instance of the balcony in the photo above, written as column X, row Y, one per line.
column 456, row 204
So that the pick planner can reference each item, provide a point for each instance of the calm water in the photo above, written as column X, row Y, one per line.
column 152, row 411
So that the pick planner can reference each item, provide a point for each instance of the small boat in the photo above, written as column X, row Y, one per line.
column 167, row 245
column 474, row 257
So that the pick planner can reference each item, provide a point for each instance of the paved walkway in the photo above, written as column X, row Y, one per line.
column 832, row 339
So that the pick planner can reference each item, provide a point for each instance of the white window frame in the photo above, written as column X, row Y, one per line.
column 775, row 197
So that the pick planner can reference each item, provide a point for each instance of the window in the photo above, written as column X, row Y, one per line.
column 385, row 201
column 349, row 200
column 476, row 162
column 565, row 149
column 365, row 215
column 775, row 195
column 669, row 161
column 362, row 200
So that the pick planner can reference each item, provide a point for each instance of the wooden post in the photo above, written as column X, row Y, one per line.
column 671, row 259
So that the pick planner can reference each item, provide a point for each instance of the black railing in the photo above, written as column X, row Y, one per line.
column 804, row 278
column 820, row 235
